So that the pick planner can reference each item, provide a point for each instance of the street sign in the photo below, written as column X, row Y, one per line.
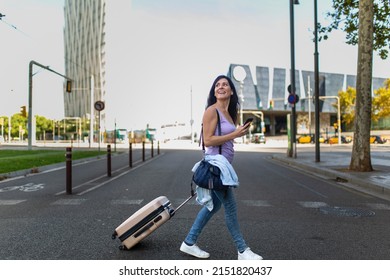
column 293, row 98
column 99, row 105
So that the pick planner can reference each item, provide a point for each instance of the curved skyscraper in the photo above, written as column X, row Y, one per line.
column 84, row 39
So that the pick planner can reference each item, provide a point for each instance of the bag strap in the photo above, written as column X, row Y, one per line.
column 219, row 133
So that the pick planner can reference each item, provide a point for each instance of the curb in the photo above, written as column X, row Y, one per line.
column 359, row 184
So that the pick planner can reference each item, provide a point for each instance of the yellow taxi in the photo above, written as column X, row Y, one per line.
column 335, row 140
column 304, row 139
column 307, row 138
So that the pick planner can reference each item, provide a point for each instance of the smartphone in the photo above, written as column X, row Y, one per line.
column 248, row 121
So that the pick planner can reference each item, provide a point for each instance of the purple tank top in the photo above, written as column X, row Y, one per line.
column 227, row 147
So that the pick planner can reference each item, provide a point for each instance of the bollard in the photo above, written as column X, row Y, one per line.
column 152, row 152
column 158, row 147
column 143, row 151
column 68, row 157
column 109, row 160
column 131, row 155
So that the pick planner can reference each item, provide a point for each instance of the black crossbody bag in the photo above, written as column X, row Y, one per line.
column 208, row 176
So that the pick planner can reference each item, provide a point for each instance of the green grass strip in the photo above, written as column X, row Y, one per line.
column 14, row 160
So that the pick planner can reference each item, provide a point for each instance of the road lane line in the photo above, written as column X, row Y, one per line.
column 90, row 182
column 118, row 176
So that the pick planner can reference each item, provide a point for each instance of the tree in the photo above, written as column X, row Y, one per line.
column 361, row 20
column 345, row 17
column 347, row 105
column 43, row 125
column 361, row 153
column 18, row 126
column 380, row 104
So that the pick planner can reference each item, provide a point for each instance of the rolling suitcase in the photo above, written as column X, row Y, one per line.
column 146, row 220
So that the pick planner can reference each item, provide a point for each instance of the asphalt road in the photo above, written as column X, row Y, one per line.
column 284, row 214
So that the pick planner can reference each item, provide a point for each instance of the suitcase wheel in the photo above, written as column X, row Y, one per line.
column 114, row 235
column 122, row 248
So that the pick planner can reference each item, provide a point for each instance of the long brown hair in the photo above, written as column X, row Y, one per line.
column 233, row 104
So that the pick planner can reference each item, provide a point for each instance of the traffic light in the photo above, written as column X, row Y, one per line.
column 23, row 111
column 68, row 86
column 271, row 104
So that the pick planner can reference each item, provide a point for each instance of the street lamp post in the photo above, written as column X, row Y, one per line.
column 115, row 135
column 9, row 129
column 192, row 119
column 239, row 75
column 293, row 152
column 242, row 107
column 92, row 114
column 242, row 102
column 309, row 103
column 316, row 86
column 31, row 125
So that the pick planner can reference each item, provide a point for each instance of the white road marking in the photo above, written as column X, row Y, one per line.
column 379, row 206
column 69, row 201
column 11, row 201
column 256, row 203
column 127, row 201
column 312, row 204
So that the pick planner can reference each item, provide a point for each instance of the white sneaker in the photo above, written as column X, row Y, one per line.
column 194, row 250
column 249, row 255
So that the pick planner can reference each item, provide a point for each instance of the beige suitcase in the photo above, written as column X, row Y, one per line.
column 143, row 222
column 146, row 220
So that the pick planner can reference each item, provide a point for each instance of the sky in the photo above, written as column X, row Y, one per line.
column 162, row 56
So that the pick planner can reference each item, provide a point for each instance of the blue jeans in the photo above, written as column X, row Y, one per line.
column 227, row 199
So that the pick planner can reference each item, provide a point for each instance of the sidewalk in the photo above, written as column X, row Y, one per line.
column 334, row 165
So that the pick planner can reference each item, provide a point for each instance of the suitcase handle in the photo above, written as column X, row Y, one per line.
column 183, row 203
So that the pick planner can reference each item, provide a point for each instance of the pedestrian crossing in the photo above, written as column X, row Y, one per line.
column 140, row 202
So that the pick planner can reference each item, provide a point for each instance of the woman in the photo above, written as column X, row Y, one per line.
column 223, row 100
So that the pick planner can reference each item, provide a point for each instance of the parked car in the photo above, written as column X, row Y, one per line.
column 309, row 138
column 335, row 140
column 376, row 139
column 304, row 139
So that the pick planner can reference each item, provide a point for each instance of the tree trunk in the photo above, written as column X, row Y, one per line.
column 361, row 155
